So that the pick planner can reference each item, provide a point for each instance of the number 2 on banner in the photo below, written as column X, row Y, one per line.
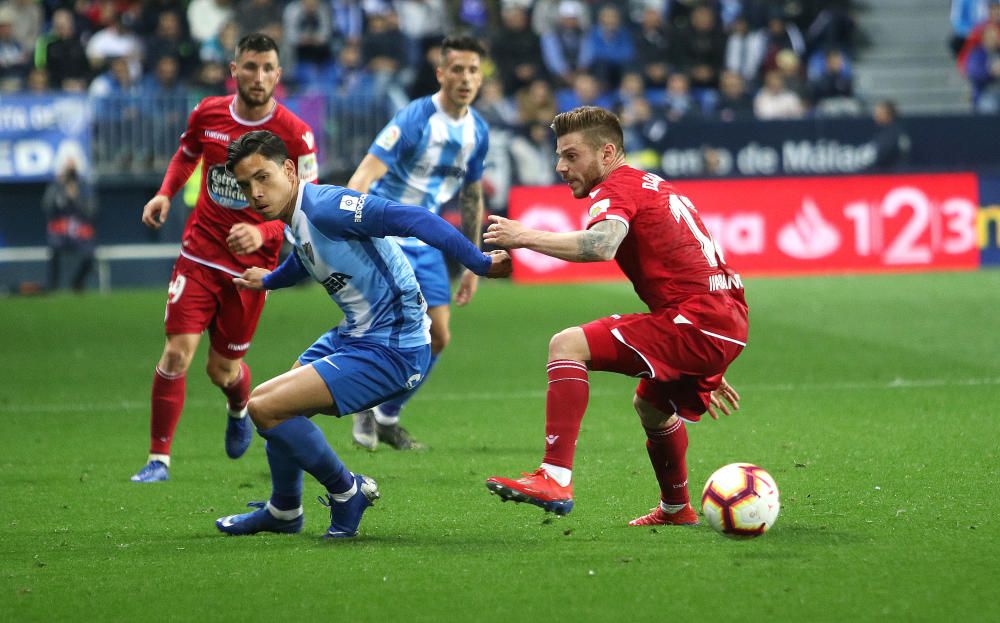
column 681, row 208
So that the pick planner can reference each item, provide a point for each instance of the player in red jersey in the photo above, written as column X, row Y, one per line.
column 221, row 240
column 695, row 327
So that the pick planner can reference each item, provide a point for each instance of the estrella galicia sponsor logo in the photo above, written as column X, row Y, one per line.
column 336, row 282
column 222, row 188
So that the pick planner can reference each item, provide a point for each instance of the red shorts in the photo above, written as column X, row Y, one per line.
column 201, row 298
column 680, row 364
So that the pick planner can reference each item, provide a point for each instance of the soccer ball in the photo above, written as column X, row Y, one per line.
column 740, row 500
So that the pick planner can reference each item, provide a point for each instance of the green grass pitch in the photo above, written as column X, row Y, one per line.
column 871, row 400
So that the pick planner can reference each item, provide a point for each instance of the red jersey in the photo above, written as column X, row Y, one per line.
column 212, row 125
column 668, row 254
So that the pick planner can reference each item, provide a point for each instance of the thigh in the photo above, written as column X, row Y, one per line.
column 191, row 299
column 300, row 390
column 360, row 375
column 236, row 317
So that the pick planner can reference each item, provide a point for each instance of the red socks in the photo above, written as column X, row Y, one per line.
column 667, row 448
column 166, row 405
column 565, row 402
column 238, row 392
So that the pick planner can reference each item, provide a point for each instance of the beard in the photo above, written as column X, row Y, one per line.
column 251, row 98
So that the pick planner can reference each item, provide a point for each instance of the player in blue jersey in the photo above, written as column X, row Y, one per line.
column 433, row 149
column 381, row 349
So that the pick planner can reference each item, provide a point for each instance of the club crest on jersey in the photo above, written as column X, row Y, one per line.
column 600, row 207
column 222, row 188
column 388, row 138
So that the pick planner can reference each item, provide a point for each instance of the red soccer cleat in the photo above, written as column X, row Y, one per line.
column 536, row 488
column 657, row 517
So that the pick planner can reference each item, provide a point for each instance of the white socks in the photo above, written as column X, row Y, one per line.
column 346, row 495
column 283, row 515
column 237, row 415
column 162, row 458
column 561, row 475
column 670, row 508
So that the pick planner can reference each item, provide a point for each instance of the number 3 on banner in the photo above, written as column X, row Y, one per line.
column 681, row 208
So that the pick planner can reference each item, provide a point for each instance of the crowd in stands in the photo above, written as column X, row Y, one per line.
column 976, row 45
column 655, row 62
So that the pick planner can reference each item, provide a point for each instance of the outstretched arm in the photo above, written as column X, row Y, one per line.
column 289, row 273
column 370, row 170
column 405, row 220
column 597, row 244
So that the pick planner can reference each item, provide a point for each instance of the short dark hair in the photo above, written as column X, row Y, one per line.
column 599, row 126
column 464, row 43
column 267, row 144
column 256, row 42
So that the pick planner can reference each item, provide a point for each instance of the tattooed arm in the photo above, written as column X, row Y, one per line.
column 470, row 203
column 597, row 244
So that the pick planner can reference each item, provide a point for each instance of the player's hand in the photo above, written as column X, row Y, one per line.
column 244, row 238
column 724, row 399
column 503, row 232
column 252, row 279
column 154, row 213
column 466, row 288
column 502, row 265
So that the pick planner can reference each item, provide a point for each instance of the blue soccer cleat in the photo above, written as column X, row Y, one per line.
column 345, row 517
column 154, row 471
column 260, row 520
column 239, row 434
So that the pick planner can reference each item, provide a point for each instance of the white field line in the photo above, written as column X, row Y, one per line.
column 750, row 388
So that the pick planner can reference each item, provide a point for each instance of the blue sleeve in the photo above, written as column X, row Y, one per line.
column 289, row 273
column 404, row 220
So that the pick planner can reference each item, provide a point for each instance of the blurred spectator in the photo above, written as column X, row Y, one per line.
column 148, row 18
column 221, row 47
column 831, row 27
column 533, row 156
column 586, row 91
column 169, row 39
column 352, row 77
column 562, row 45
column 26, row 20
column 781, row 35
column 789, row 65
column 835, row 79
column 209, row 79
column 735, row 102
column 631, row 87
column 745, row 50
column 257, row 15
column 546, row 14
column 165, row 79
column 679, row 103
column 652, row 47
column 965, row 15
column 425, row 81
column 116, row 80
column 348, row 22
column 642, row 127
column 476, row 15
column 890, row 143
column 701, row 49
column 115, row 41
column 609, row 47
column 517, row 49
column 38, row 81
column 983, row 68
column 14, row 59
column 536, row 103
column 206, row 18
column 423, row 23
column 775, row 101
column 62, row 54
column 496, row 109
column 381, row 49
column 308, row 33
column 69, row 210
column 992, row 21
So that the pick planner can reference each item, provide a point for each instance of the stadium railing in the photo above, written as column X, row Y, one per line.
column 104, row 256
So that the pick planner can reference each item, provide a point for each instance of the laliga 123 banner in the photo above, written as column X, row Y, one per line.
column 807, row 225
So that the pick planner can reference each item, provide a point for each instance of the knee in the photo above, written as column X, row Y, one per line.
column 650, row 416
column 222, row 373
column 175, row 359
column 260, row 413
column 569, row 344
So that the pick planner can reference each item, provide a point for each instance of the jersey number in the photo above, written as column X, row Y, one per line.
column 681, row 208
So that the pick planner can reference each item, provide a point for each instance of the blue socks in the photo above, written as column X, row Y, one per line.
column 297, row 444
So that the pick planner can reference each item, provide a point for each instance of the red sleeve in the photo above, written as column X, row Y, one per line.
column 610, row 205
column 272, row 230
column 185, row 160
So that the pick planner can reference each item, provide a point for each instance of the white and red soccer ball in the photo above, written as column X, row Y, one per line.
column 740, row 500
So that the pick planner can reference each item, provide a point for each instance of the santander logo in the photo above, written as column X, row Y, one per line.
column 809, row 236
